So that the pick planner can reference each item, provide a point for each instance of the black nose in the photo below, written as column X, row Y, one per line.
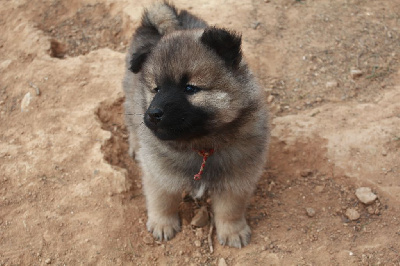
column 155, row 115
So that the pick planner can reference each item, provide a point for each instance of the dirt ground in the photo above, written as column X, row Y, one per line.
column 69, row 194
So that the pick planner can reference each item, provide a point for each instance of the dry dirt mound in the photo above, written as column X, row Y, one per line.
column 69, row 193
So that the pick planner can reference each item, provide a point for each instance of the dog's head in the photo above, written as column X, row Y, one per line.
column 193, row 82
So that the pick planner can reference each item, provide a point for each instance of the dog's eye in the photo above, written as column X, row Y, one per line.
column 190, row 89
column 155, row 90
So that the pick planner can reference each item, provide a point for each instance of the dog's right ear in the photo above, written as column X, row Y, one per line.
column 138, row 58
column 144, row 40
column 157, row 21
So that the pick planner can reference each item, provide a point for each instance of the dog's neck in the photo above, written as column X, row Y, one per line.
column 205, row 154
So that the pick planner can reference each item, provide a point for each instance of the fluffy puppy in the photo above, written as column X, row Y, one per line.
column 205, row 120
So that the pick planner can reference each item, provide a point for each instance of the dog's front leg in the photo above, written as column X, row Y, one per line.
column 162, row 210
column 229, row 212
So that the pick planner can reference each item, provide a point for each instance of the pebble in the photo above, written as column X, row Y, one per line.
column 4, row 64
column 197, row 243
column 306, row 173
column 222, row 262
column 148, row 240
column 83, row 83
column 331, row 84
column 365, row 195
column 270, row 98
column 310, row 212
column 199, row 232
column 355, row 73
column 48, row 261
column 319, row 189
column 201, row 218
column 26, row 101
column 371, row 210
column 352, row 214
column 255, row 25
column 267, row 240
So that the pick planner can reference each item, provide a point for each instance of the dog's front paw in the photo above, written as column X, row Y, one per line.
column 233, row 234
column 164, row 228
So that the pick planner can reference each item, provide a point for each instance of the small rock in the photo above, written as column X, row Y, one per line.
column 222, row 262
column 270, row 98
column 4, row 64
column 148, row 240
column 371, row 210
column 331, row 84
column 197, row 243
column 48, row 261
column 306, row 173
column 267, row 241
column 355, row 73
column 26, row 101
column 310, row 212
column 83, row 83
column 319, row 189
column 352, row 214
column 199, row 232
column 365, row 195
column 201, row 218
column 255, row 25
column 384, row 153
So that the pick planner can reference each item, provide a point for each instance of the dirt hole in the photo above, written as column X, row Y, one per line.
column 115, row 149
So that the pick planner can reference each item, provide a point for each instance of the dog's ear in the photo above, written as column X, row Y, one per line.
column 138, row 58
column 157, row 21
column 225, row 43
column 144, row 40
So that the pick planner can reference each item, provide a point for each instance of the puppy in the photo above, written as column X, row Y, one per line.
column 196, row 118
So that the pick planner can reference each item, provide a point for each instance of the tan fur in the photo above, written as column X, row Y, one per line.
column 238, row 129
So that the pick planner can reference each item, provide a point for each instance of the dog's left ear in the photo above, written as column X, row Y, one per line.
column 225, row 43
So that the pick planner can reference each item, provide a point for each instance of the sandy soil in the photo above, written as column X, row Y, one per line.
column 70, row 195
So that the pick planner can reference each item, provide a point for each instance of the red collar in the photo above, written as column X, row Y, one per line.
column 205, row 154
